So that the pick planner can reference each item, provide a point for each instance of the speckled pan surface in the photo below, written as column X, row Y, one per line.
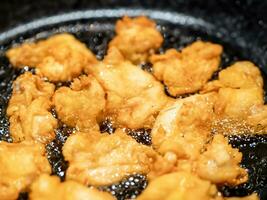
column 240, row 26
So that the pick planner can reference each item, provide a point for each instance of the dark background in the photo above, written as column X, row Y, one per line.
column 13, row 12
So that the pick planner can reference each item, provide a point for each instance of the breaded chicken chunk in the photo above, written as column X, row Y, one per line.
column 80, row 105
column 242, row 87
column 179, row 186
column 240, row 93
column 102, row 159
column 134, row 97
column 33, row 122
column 26, row 88
column 137, row 38
column 220, row 163
column 184, row 186
column 28, row 109
column 236, row 103
column 258, row 116
column 59, row 58
column 242, row 74
column 182, row 127
column 49, row 187
column 187, row 71
column 20, row 164
column 182, row 130
column 165, row 164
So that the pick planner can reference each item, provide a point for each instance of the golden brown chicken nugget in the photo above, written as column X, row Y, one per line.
column 102, row 159
column 137, row 38
column 80, row 105
column 49, row 187
column 182, row 127
column 59, row 58
column 240, row 93
column 187, row 71
column 28, row 109
column 20, row 164
column 220, row 163
column 179, row 186
column 134, row 97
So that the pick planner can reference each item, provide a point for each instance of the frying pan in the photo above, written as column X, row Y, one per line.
column 240, row 26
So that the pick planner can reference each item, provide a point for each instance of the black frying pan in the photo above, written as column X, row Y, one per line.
column 240, row 26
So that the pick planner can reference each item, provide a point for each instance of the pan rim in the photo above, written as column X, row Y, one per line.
column 168, row 16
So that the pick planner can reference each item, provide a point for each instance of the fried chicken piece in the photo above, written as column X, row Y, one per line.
column 258, row 117
column 187, row 71
column 179, row 186
column 164, row 165
column 236, row 103
column 28, row 109
column 180, row 133
column 240, row 91
column 20, row 164
column 220, row 163
column 242, row 74
column 80, row 105
column 242, row 88
column 134, row 97
column 59, row 58
column 49, row 187
column 102, row 159
column 33, row 122
column 26, row 88
column 137, row 38
column 183, row 127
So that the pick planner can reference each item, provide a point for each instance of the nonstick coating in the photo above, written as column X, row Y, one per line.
column 96, row 28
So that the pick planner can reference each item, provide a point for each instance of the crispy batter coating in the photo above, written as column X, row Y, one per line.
column 33, row 122
column 80, row 105
column 258, row 117
column 28, row 109
column 134, row 97
column 136, row 38
column 243, row 74
column 49, row 187
column 240, row 93
column 184, row 186
column 242, row 88
column 163, row 165
column 26, row 88
column 102, row 159
column 187, row 71
column 179, row 186
column 183, row 127
column 181, row 132
column 236, row 103
column 59, row 58
column 220, row 163
column 20, row 164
